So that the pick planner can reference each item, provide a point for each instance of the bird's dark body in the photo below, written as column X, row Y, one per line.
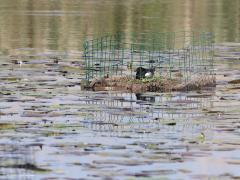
column 141, row 72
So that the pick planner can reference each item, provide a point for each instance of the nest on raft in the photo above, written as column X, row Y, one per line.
column 155, row 84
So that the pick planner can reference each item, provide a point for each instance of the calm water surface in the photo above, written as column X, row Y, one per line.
column 64, row 24
column 52, row 129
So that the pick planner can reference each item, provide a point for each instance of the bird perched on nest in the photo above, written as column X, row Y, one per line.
column 142, row 73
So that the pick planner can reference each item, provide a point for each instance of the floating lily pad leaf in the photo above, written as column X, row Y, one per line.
column 116, row 147
column 27, row 166
column 236, row 81
column 33, row 114
column 122, row 162
column 2, row 114
column 159, row 172
column 52, row 133
column 185, row 171
column 140, row 174
column 10, row 79
column 7, row 126
column 171, row 123
column 6, row 93
column 88, row 165
column 234, row 161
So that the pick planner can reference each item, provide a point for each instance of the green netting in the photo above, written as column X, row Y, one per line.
column 174, row 55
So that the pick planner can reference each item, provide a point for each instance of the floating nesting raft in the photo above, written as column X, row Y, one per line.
column 181, row 61
column 151, row 85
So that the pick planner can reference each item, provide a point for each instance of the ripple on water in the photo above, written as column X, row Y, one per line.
column 50, row 128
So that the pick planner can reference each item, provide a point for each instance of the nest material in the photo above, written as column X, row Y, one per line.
column 153, row 85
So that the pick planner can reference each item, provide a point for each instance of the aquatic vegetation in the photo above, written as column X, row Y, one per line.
column 50, row 128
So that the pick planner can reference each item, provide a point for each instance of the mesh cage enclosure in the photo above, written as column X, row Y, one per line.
column 178, row 60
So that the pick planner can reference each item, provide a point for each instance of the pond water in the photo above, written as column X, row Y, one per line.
column 52, row 129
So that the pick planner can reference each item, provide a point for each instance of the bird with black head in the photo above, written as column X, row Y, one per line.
column 142, row 73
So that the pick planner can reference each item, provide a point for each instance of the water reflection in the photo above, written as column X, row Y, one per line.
column 128, row 114
column 142, row 97
column 64, row 24
column 18, row 160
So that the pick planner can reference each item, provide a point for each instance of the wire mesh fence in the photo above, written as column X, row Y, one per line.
column 174, row 59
